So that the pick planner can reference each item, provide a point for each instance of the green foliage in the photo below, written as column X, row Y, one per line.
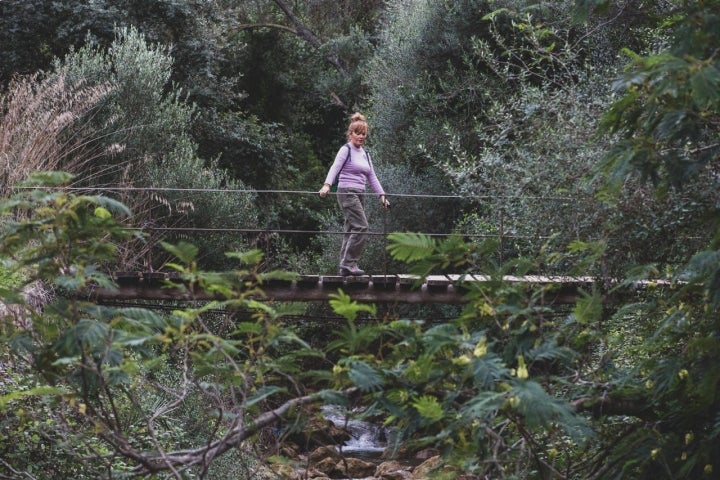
column 702, row 270
column 507, row 368
column 532, row 85
column 409, row 247
column 348, row 308
column 428, row 256
column 362, row 374
column 145, row 126
column 660, row 120
column 128, row 387
column 429, row 409
column 495, row 101
column 450, row 95
column 671, row 142
column 440, row 66
column 60, row 232
column 31, row 444
column 583, row 8
column 34, row 33
column 450, row 384
column 9, row 278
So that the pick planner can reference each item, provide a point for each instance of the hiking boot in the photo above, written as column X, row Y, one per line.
column 354, row 271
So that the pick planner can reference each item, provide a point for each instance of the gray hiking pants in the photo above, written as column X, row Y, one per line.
column 352, row 203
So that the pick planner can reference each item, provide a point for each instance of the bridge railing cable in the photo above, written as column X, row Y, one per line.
column 494, row 222
column 303, row 192
column 263, row 228
column 267, row 229
column 496, row 217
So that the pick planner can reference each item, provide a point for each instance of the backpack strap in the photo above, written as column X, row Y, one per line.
column 346, row 158
column 333, row 187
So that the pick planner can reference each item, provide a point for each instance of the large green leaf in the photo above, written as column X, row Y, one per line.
column 262, row 394
column 183, row 251
column 541, row 410
column 705, row 91
column 363, row 375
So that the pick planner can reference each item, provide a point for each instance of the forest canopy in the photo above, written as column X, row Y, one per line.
column 513, row 138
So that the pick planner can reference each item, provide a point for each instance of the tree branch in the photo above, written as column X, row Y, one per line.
column 601, row 406
column 278, row 26
column 307, row 35
column 186, row 458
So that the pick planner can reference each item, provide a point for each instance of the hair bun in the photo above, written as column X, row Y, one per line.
column 357, row 117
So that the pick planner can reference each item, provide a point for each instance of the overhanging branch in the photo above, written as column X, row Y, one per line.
column 277, row 26
column 307, row 35
column 182, row 459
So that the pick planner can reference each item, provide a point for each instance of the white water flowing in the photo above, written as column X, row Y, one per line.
column 367, row 441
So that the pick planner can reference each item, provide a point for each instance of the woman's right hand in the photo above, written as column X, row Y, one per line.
column 324, row 190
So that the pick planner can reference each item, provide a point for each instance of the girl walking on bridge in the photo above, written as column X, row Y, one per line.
column 351, row 171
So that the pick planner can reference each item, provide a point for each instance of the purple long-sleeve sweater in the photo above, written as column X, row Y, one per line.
column 357, row 171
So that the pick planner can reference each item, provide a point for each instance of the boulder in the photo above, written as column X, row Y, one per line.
column 352, row 468
column 270, row 472
column 326, row 465
column 393, row 470
column 426, row 453
column 321, row 453
column 392, row 452
column 310, row 474
column 317, row 432
column 431, row 467
column 422, row 471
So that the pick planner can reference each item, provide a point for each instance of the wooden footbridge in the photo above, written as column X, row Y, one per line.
column 449, row 289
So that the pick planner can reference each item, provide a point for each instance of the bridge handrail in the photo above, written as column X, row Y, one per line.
column 299, row 192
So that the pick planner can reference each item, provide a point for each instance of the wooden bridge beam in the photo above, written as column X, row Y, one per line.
column 370, row 288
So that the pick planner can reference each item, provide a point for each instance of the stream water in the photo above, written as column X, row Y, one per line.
column 368, row 440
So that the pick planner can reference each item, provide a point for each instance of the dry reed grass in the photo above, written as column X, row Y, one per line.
column 41, row 127
column 19, row 316
column 47, row 123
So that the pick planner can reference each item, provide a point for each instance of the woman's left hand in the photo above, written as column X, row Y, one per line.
column 384, row 202
column 324, row 190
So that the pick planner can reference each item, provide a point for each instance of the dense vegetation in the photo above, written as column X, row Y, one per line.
column 572, row 137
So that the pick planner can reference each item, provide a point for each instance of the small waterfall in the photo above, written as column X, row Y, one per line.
column 368, row 440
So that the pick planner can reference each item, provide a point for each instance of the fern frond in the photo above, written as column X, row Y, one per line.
column 411, row 247
column 342, row 304
column 429, row 408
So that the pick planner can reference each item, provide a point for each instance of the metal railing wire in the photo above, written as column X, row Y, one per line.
column 263, row 233
column 269, row 230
